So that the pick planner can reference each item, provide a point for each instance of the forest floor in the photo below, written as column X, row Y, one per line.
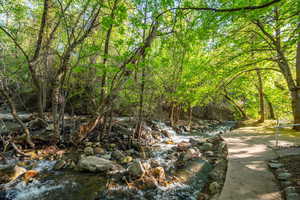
column 249, row 150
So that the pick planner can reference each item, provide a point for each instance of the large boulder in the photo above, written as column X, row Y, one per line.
column 95, row 164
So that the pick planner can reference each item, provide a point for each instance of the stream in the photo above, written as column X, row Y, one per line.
column 70, row 184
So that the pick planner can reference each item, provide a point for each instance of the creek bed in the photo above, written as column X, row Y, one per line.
column 70, row 184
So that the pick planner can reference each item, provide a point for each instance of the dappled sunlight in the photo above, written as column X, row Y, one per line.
column 256, row 165
column 270, row 196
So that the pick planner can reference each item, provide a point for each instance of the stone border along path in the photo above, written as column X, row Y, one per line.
column 248, row 175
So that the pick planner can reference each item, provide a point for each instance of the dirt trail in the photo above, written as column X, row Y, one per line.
column 248, row 176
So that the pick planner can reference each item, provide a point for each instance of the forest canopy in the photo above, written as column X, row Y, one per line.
column 144, row 57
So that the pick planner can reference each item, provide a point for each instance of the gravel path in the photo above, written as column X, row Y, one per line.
column 248, row 176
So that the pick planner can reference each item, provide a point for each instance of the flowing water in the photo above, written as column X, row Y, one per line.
column 67, row 185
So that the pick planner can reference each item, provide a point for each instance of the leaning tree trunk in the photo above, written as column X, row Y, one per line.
column 13, row 111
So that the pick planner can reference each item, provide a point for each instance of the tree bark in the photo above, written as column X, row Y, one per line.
column 237, row 107
column 261, row 97
column 13, row 111
column 270, row 108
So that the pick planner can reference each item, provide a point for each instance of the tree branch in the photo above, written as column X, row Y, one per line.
column 222, row 9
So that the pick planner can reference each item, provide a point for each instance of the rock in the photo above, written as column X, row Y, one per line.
column 95, row 164
column 7, row 168
column 191, row 168
column 197, row 141
column 88, row 144
column 88, row 151
column 136, row 169
column 292, row 196
column 50, row 127
column 159, row 174
column 280, row 170
column 284, row 176
column 29, row 175
column 10, row 172
column 126, row 159
column 146, row 165
column 112, row 146
column 222, row 147
column 290, row 189
column 275, row 165
column 214, row 187
column 149, row 182
column 72, row 165
column 206, row 146
column 18, row 171
column 156, row 135
column 98, row 144
column 286, row 183
column 38, row 124
column 99, row 150
column 154, row 163
column 183, row 146
column 209, row 153
column 215, row 139
column 169, row 142
column 189, row 154
column 59, row 165
column 166, row 133
column 203, row 196
column 117, row 155
column 106, row 156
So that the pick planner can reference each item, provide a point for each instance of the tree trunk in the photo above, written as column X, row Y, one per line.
column 270, row 107
column 296, row 93
column 237, row 107
column 13, row 111
column 261, row 97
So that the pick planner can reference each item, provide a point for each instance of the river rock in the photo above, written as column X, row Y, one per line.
column 166, row 133
column 197, row 141
column 209, row 153
column 7, row 168
column 189, row 154
column 214, row 187
column 99, row 150
column 148, row 182
column 275, row 165
column 117, row 155
column 183, row 146
column 286, row 183
column 206, row 146
column 284, row 176
column 88, row 144
column 136, row 169
column 292, row 196
column 156, row 135
column 38, row 124
column 106, row 156
column 88, row 151
column 126, row 159
column 154, row 163
column 12, row 175
column 159, row 174
column 95, row 164
column 59, row 164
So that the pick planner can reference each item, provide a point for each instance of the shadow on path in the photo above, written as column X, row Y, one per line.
column 248, row 176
